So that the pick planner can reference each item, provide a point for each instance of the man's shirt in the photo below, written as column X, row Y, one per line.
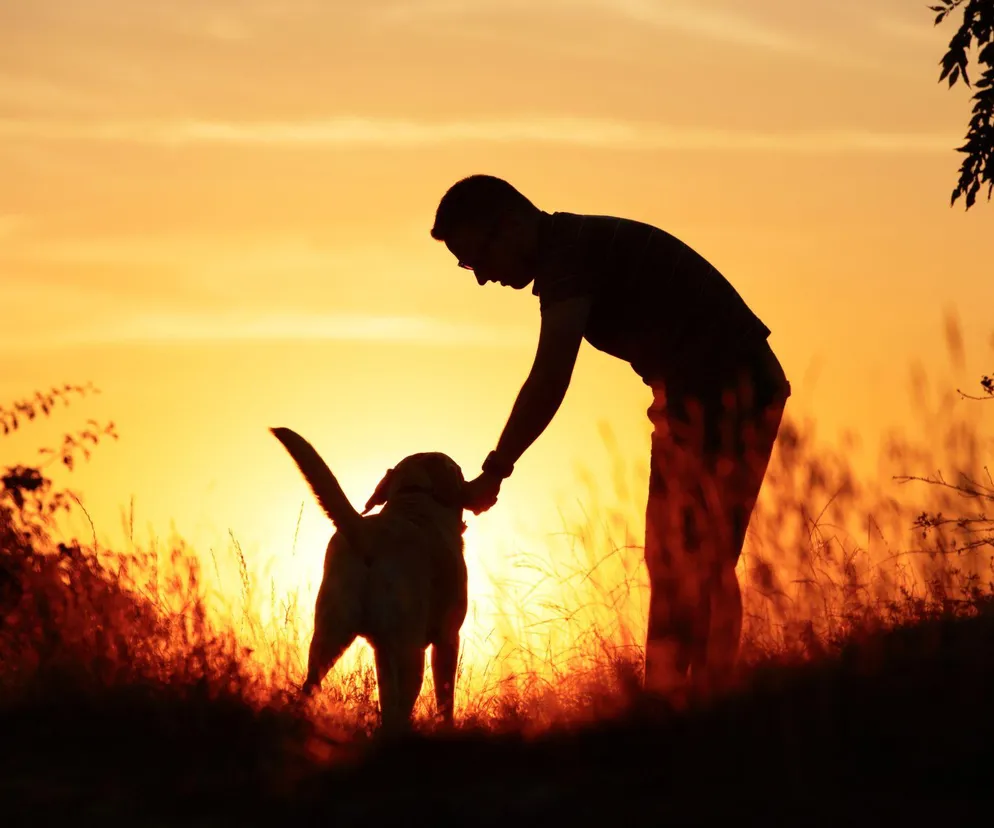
column 657, row 304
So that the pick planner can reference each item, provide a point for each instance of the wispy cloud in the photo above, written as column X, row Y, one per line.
column 688, row 17
column 366, row 327
column 921, row 32
column 180, row 327
column 195, row 270
column 236, row 256
column 22, row 93
column 358, row 132
column 710, row 22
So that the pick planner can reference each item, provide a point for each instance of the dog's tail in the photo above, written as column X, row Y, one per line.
column 323, row 483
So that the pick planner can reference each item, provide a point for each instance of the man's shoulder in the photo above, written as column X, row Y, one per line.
column 563, row 231
column 578, row 249
column 600, row 229
column 563, row 218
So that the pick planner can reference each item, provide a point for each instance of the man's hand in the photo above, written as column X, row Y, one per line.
column 480, row 494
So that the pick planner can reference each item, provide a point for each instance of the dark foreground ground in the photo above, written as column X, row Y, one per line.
column 896, row 728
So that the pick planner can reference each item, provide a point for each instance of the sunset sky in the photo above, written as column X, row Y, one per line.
column 219, row 213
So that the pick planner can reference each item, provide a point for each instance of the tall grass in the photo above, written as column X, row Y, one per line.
column 829, row 557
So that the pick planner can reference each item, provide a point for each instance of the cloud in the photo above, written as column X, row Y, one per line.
column 708, row 22
column 689, row 17
column 236, row 255
column 33, row 94
column 351, row 132
column 920, row 32
column 241, row 326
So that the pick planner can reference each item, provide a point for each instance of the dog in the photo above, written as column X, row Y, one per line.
column 397, row 578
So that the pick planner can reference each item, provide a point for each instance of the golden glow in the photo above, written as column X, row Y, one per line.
column 220, row 216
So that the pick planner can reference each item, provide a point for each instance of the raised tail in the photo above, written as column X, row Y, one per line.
column 323, row 483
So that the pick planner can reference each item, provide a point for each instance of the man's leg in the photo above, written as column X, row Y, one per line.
column 707, row 466
column 741, row 470
column 672, row 540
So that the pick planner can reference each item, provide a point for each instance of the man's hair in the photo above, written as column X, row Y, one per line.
column 476, row 201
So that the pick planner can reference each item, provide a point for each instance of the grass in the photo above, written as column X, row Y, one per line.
column 867, row 663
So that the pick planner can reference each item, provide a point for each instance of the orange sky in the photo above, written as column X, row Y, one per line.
column 219, row 213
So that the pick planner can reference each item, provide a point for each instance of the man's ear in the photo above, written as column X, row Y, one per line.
column 379, row 496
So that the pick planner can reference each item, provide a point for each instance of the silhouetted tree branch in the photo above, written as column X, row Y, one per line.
column 977, row 168
column 987, row 383
column 976, row 530
column 27, row 500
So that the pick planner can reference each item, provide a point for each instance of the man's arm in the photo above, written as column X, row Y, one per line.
column 563, row 324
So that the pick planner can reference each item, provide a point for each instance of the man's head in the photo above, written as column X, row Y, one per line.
column 490, row 228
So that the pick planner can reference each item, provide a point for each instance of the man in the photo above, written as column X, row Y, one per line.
column 638, row 293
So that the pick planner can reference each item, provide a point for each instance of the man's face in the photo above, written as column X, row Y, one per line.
column 496, row 253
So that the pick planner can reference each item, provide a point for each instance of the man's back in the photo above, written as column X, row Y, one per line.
column 658, row 304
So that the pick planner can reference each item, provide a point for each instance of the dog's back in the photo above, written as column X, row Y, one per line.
column 384, row 586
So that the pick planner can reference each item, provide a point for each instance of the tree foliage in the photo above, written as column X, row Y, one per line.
column 975, row 31
column 27, row 498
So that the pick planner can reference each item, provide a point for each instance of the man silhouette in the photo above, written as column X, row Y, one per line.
column 640, row 294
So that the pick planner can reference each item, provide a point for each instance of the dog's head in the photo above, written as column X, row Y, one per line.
column 432, row 472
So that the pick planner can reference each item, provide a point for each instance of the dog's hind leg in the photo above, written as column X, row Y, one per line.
column 444, row 661
column 400, row 674
column 327, row 646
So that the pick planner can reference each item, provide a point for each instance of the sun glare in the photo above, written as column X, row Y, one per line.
column 540, row 607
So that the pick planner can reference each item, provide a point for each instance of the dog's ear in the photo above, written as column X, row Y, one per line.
column 447, row 485
column 379, row 496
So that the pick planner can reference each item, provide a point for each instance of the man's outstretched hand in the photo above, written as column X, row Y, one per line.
column 480, row 494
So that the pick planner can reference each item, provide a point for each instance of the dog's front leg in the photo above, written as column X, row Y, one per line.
column 444, row 661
